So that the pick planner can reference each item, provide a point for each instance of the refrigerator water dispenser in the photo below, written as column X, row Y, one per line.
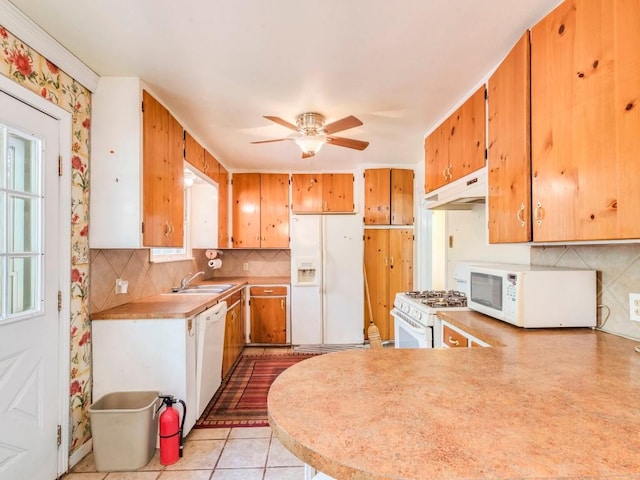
column 307, row 272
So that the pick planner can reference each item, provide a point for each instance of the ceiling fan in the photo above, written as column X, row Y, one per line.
column 313, row 133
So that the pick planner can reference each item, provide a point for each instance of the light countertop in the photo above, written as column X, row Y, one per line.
column 172, row 305
column 552, row 403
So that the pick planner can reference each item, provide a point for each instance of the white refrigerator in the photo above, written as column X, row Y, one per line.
column 327, row 285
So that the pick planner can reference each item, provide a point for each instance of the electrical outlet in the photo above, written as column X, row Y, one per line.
column 634, row 307
column 121, row 286
column 245, row 266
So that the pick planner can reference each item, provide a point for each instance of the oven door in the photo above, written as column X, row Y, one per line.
column 410, row 334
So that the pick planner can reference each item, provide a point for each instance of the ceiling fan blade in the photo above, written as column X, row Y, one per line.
column 282, row 122
column 343, row 124
column 275, row 140
column 348, row 142
column 307, row 155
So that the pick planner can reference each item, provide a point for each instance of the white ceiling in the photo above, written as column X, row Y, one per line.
column 399, row 66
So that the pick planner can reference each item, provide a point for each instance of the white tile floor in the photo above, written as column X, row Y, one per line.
column 212, row 454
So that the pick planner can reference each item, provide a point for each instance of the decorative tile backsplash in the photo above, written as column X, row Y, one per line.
column 145, row 278
column 259, row 263
column 618, row 268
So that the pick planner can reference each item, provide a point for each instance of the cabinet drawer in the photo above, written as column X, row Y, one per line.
column 233, row 298
column 268, row 291
column 453, row 339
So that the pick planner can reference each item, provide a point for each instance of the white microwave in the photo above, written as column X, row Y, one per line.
column 533, row 296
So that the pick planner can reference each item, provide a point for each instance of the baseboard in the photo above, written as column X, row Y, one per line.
column 79, row 454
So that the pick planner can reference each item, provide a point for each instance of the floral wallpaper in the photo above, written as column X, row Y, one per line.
column 36, row 73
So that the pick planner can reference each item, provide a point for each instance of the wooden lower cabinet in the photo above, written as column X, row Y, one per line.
column 268, row 306
column 234, row 333
column 455, row 337
column 388, row 258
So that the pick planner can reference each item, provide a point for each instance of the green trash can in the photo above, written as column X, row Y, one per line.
column 124, row 428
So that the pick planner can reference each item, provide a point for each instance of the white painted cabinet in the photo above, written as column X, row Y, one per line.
column 116, row 164
column 146, row 354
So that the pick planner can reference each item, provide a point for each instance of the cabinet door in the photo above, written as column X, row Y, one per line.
column 246, row 210
column 436, row 154
column 509, row 162
column 268, row 320
column 401, row 197
column 306, row 193
column 337, row 192
column 274, row 210
column 211, row 167
column 473, row 128
column 377, row 196
column 223, row 208
column 193, row 152
column 376, row 261
column 585, row 121
column 400, row 267
column 163, row 190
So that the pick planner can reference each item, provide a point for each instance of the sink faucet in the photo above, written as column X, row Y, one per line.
column 188, row 278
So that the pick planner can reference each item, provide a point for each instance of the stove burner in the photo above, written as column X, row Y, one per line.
column 440, row 298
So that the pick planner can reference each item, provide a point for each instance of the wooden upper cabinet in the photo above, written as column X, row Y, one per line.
column 457, row 146
column 211, row 167
column 246, row 210
column 436, row 156
column 306, row 193
column 223, row 207
column 337, row 192
column 163, row 190
column 260, row 210
column 274, row 210
column 585, row 121
column 193, row 152
column 388, row 196
column 473, row 129
column 322, row 193
column 509, row 158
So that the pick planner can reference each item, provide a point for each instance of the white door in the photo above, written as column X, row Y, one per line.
column 29, row 265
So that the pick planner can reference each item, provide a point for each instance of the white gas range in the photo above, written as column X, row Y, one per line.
column 415, row 316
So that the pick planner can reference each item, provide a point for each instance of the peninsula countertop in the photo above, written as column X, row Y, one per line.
column 172, row 305
column 552, row 403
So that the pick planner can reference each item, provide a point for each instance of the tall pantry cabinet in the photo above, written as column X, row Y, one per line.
column 136, row 168
column 388, row 242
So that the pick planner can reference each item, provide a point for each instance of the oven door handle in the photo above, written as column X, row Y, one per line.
column 407, row 325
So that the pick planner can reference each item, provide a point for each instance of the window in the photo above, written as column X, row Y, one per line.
column 21, row 230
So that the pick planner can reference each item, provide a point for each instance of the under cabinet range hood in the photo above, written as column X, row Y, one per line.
column 461, row 194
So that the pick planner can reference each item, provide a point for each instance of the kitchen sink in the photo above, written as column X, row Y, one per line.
column 205, row 289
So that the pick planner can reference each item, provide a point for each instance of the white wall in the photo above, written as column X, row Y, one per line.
column 466, row 238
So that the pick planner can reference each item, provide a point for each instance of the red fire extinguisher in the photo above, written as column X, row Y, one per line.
column 171, row 430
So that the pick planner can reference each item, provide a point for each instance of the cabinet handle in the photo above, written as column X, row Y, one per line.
column 205, row 166
column 392, row 261
column 386, row 261
column 234, row 315
column 258, row 238
column 452, row 341
column 282, row 304
column 444, row 173
column 519, row 215
column 268, row 291
column 539, row 213
column 167, row 229
column 326, row 206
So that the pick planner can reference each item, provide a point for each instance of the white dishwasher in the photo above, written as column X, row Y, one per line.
column 210, row 326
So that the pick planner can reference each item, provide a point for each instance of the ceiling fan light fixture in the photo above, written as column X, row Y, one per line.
column 311, row 143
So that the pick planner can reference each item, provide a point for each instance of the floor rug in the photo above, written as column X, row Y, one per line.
column 241, row 400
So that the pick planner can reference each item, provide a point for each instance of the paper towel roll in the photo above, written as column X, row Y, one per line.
column 215, row 263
